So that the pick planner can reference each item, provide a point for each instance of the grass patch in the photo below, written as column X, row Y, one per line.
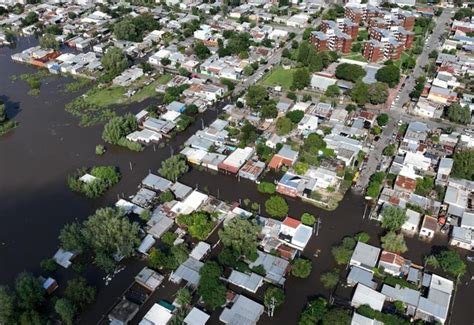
column 363, row 35
column 355, row 57
column 279, row 77
column 77, row 85
column 149, row 90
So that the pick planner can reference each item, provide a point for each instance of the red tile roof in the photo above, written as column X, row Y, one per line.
column 405, row 183
column 292, row 223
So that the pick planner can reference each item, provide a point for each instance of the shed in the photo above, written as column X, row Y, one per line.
column 63, row 257
column 188, row 271
column 243, row 311
column 156, row 183
column 180, row 191
column 146, row 244
column 359, row 275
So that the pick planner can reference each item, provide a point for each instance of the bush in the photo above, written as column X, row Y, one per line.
column 276, row 206
column 99, row 150
column 166, row 196
column 308, row 219
column 106, row 177
column 48, row 265
column 330, row 279
column 301, row 268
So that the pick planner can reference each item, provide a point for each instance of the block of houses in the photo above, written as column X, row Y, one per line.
column 236, row 160
column 408, row 296
column 435, row 306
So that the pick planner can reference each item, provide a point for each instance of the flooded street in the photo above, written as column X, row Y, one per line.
column 35, row 201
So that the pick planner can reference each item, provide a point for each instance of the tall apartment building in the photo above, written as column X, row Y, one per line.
column 332, row 39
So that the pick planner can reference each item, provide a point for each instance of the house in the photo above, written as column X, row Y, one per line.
column 146, row 244
column 285, row 157
column 196, row 317
column 149, row 279
column 188, row 271
column 252, row 170
column 467, row 220
column 359, row 275
column 159, row 224
column 462, row 238
column 392, row 263
column 408, row 296
column 190, row 204
column 428, row 227
column 435, row 307
column 428, row 109
column 444, row 170
column 123, row 312
column 242, row 311
column 411, row 225
column 405, row 184
column 366, row 296
column 365, row 256
column 358, row 319
column 200, row 251
column 176, row 107
column 156, row 183
column 157, row 315
column 321, row 81
column 275, row 267
column 236, row 160
column 291, row 184
column 250, row 282
column 308, row 124
column 294, row 233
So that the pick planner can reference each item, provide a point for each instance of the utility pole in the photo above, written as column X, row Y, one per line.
column 202, row 123
column 131, row 166
column 218, row 193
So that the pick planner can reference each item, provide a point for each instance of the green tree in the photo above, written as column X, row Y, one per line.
column 283, row 126
column 273, row 297
column 183, row 296
column 114, row 61
column 394, row 242
column 173, row 167
column 337, row 316
column 118, row 128
column 3, row 112
column 240, row 236
column 210, row 288
column 308, row 219
column 359, row 93
column 301, row 78
column 266, row 187
column 126, row 30
column 72, row 238
column 256, row 96
column 378, row 93
column 424, row 185
column 333, row 91
column 48, row 41
column 198, row 223
column 29, row 291
column 295, row 116
column 313, row 312
column 276, row 207
column 343, row 252
column 304, row 52
column 301, row 168
column 382, row 119
column 30, row 19
column 301, row 268
column 166, row 196
column 7, row 306
column 390, row 150
column 66, row 310
column 201, row 50
column 390, row 74
column 350, row 72
column 451, row 262
column 458, row 114
column 31, row 317
column 393, row 218
column 109, row 232
column 362, row 237
column 314, row 143
column 462, row 166
column 330, row 279
column 79, row 292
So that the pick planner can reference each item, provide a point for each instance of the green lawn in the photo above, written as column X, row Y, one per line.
column 279, row 77
column 363, row 35
column 149, row 91
column 355, row 56
column 405, row 56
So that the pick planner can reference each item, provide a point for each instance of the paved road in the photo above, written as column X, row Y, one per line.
column 431, row 44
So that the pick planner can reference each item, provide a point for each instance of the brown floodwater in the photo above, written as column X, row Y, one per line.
column 35, row 201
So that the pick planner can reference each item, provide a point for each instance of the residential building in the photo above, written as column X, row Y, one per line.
column 365, row 256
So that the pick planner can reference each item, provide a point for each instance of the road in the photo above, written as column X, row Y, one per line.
column 398, row 112
column 431, row 44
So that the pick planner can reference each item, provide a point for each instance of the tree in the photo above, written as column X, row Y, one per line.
column 48, row 265
column 7, row 306
column 458, row 114
column 451, row 262
column 114, row 61
column 393, row 218
column 31, row 317
column 183, row 296
column 283, row 126
column 118, row 128
column 390, row 74
column 66, row 310
column 330, row 279
column 313, row 143
column 301, row 268
column 198, row 223
column 363, row 237
column 29, row 291
column 337, row 316
column 308, row 219
column 166, row 196
column 390, row 150
column 304, row 51
column 256, row 96
column 332, row 91
column 173, row 167
column 210, row 287
column 109, row 233
column 266, row 187
column 273, row 297
column 240, row 236
column 301, row 168
column 126, row 30
column 343, row 252
column 295, row 116
column 79, row 292
column 48, row 41
column 382, row 119
column 433, row 54
column 301, row 78
column 424, row 185
column 377, row 93
column 72, row 238
column 462, row 166
column 313, row 312
column 3, row 112
column 394, row 242
column 350, row 72
column 359, row 93
column 463, row 13
column 351, row 108
column 30, row 19
column 276, row 207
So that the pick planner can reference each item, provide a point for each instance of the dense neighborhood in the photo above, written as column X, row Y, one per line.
column 265, row 121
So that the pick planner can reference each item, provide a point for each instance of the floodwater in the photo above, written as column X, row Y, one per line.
column 35, row 201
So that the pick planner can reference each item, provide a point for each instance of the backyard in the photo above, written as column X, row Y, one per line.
column 279, row 77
